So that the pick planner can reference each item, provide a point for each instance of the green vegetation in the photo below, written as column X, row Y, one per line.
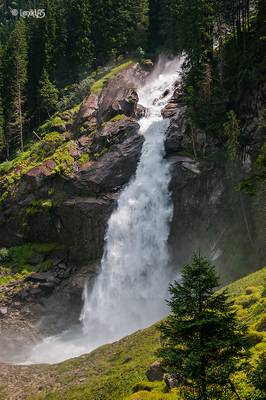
column 84, row 158
column 98, row 86
column 118, row 117
column 114, row 372
column 37, row 205
column 202, row 344
column 19, row 261
column 21, row 258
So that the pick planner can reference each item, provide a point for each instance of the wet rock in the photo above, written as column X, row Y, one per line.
column 155, row 372
column 140, row 112
column 169, row 110
column 147, row 65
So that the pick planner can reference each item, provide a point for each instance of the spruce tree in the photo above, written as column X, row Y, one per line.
column 48, row 95
column 16, row 62
column 201, row 339
column 80, row 44
column 2, row 120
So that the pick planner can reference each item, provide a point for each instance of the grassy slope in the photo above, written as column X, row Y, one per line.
column 110, row 372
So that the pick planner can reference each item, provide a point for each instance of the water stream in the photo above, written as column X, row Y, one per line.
column 130, row 289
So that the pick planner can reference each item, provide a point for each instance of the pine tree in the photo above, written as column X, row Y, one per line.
column 50, row 38
column 80, row 44
column 48, row 95
column 202, row 341
column 2, row 120
column 16, row 80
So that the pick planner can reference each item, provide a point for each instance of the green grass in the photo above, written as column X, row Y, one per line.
column 6, row 277
column 113, row 371
column 98, row 86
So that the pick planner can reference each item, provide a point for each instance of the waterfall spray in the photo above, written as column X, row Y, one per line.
column 130, row 289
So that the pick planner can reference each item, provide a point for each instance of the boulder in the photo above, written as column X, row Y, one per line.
column 140, row 112
column 155, row 372
column 113, row 133
column 112, row 170
column 41, row 277
column 117, row 99
column 169, row 110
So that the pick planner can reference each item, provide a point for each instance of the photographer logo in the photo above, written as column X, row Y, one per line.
column 32, row 13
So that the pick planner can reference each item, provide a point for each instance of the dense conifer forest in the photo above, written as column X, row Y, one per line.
column 132, row 136
column 42, row 57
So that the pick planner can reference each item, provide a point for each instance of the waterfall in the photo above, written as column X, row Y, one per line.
column 129, row 292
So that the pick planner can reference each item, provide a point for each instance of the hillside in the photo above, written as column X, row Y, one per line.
column 112, row 371
column 132, row 136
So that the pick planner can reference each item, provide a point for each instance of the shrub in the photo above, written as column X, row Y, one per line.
column 4, row 255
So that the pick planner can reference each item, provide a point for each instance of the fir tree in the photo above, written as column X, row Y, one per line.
column 48, row 95
column 2, row 120
column 80, row 44
column 16, row 79
column 202, row 341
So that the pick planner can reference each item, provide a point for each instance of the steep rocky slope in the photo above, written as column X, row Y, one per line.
column 57, row 196
column 115, row 371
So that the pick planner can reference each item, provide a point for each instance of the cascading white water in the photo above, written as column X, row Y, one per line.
column 129, row 292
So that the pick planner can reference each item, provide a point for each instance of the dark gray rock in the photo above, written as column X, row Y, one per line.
column 86, row 120
column 111, row 171
column 155, row 372
column 113, row 133
column 117, row 99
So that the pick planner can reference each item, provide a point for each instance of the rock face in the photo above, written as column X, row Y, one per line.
column 87, row 116
column 80, row 205
column 209, row 214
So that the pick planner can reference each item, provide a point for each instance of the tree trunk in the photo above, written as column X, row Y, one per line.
column 20, row 114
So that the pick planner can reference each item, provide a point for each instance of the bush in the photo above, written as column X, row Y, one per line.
column 4, row 255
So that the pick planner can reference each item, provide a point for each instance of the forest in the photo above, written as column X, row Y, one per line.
column 132, row 191
column 41, row 58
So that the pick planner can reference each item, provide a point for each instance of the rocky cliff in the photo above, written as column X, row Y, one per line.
column 62, row 190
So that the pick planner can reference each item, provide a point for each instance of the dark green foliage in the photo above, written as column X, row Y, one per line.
column 224, row 45
column 48, row 95
column 201, row 340
column 80, row 45
column 15, row 70
column 258, row 378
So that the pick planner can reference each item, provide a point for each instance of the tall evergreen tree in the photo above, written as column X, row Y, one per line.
column 16, row 62
column 48, row 95
column 202, row 341
column 2, row 121
column 50, row 38
column 80, row 44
